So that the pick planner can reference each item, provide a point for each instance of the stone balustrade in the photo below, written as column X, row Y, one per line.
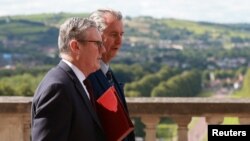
column 15, row 114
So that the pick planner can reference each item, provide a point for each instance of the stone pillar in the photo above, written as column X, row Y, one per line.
column 244, row 119
column 214, row 119
column 151, row 123
column 182, row 122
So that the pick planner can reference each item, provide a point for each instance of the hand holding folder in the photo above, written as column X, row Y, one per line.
column 114, row 118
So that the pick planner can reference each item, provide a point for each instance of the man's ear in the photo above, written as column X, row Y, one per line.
column 74, row 47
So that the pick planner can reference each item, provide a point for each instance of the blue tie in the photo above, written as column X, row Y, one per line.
column 110, row 77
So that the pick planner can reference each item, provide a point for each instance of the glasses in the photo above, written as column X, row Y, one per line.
column 98, row 43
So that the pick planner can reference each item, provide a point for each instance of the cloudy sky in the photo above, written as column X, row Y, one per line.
column 220, row 11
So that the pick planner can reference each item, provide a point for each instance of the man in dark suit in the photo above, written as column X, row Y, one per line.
column 110, row 24
column 61, row 106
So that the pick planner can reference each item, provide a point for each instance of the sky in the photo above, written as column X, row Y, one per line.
column 217, row 11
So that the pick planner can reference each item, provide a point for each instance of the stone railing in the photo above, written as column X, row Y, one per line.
column 15, row 114
column 15, row 118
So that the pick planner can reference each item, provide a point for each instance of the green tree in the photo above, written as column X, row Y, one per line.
column 20, row 85
column 186, row 84
column 145, row 85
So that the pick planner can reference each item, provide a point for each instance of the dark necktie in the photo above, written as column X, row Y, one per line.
column 87, row 83
column 110, row 77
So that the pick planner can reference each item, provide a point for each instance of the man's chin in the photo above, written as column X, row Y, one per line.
column 99, row 67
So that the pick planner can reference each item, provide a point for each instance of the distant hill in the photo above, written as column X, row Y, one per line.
column 48, row 18
column 31, row 32
column 187, row 33
column 37, row 34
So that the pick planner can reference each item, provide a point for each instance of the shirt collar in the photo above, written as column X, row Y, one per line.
column 77, row 72
column 104, row 67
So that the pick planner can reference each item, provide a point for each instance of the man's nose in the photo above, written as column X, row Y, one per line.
column 119, row 39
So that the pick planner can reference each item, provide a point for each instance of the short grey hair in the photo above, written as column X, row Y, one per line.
column 73, row 28
column 98, row 17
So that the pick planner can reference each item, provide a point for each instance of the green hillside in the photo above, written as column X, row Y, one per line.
column 30, row 41
column 245, row 90
column 49, row 19
column 141, row 30
column 15, row 34
column 202, row 28
column 184, row 32
column 32, row 32
column 37, row 34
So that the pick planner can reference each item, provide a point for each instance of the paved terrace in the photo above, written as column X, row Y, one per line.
column 15, row 114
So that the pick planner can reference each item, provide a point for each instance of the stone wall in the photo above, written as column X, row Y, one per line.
column 15, row 114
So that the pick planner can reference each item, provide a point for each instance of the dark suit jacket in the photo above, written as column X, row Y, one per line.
column 100, row 84
column 61, row 110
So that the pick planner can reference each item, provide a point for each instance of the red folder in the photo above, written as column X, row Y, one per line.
column 114, row 119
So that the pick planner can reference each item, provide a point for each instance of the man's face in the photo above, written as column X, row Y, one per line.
column 90, row 51
column 112, row 40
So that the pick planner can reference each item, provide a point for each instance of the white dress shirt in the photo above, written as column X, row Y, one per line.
column 104, row 67
column 81, row 77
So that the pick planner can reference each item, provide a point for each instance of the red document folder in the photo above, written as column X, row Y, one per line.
column 114, row 119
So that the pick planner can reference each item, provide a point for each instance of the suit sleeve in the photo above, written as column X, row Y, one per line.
column 52, row 116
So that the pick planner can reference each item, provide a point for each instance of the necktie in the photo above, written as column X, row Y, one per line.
column 110, row 77
column 87, row 83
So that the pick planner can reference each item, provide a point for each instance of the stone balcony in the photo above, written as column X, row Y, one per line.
column 15, row 114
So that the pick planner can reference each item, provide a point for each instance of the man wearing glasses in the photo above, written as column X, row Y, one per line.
column 61, row 107
column 111, row 26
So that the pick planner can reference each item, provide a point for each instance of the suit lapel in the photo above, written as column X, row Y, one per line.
column 103, row 81
column 80, row 90
column 87, row 101
column 118, row 87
